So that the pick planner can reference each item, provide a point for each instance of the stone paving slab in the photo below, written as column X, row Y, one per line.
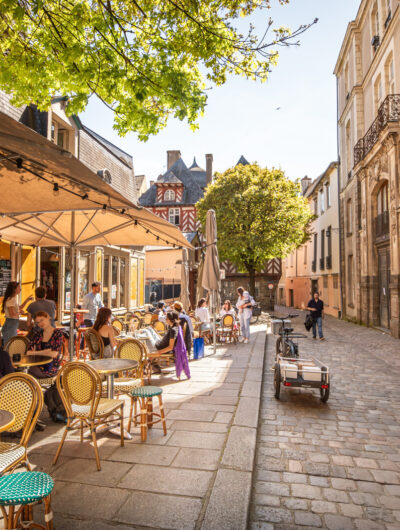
column 198, row 475
column 333, row 465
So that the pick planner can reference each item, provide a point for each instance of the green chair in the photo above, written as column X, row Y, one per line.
column 145, row 395
column 19, row 492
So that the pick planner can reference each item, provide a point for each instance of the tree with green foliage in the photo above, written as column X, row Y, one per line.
column 260, row 213
column 146, row 60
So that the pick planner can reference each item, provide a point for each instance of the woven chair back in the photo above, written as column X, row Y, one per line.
column 134, row 323
column 148, row 317
column 94, row 343
column 127, row 317
column 17, row 345
column 159, row 326
column 228, row 321
column 133, row 349
column 22, row 395
column 116, row 331
column 117, row 323
column 79, row 384
column 138, row 314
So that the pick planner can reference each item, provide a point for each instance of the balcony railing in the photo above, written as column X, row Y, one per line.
column 388, row 112
column 328, row 262
column 382, row 225
column 322, row 263
column 314, row 265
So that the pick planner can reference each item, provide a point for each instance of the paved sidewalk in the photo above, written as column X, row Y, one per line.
column 198, row 476
column 334, row 465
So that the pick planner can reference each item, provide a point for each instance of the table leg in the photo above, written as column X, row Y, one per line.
column 110, row 386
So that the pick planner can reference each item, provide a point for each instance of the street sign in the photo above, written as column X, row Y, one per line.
column 270, row 286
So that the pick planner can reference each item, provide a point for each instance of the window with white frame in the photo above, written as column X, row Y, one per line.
column 169, row 196
column 322, row 200
column 174, row 216
column 328, row 194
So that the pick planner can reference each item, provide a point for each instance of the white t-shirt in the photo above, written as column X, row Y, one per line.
column 11, row 302
column 203, row 314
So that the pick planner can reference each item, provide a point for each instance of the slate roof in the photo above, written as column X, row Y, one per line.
column 199, row 174
column 116, row 151
column 243, row 161
column 192, row 191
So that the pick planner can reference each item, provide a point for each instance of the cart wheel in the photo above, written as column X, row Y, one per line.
column 279, row 346
column 277, row 380
column 324, row 394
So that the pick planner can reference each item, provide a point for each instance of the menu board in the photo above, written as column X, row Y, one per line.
column 5, row 275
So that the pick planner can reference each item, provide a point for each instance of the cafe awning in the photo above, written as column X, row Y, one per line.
column 67, row 202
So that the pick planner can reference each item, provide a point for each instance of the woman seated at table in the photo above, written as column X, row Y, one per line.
column 227, row 309
column 173, row 341
column 202, row 314
column 104, row 327
column 48, row 342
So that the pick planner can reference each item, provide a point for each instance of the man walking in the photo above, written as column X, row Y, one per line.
column 92, row 302
column 316, row 307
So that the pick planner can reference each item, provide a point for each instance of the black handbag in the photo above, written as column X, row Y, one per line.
column 308, row 323
column 256, row 311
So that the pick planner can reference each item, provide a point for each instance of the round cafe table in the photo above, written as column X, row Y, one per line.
column 27, row 361
column 7, row 420
column 110, row 367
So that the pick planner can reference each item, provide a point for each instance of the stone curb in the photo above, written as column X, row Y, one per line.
column 229, row 502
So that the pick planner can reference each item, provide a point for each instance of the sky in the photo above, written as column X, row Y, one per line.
column 288, row 122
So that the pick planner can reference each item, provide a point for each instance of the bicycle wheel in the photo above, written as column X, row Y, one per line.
column 277, row 380
column 324, row 392
column 253, row 320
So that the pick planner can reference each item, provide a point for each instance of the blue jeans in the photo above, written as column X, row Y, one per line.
column 9, row 329
column 244, row 325
column 317, row 322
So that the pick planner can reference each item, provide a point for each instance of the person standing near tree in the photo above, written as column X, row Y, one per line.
column 92, row 302
column 316, row 307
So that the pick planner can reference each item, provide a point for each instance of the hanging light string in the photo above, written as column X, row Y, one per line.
column 104, row 206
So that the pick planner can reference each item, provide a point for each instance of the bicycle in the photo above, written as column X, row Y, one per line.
column 285, row 347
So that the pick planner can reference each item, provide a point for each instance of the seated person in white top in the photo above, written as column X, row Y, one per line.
column 202, row 314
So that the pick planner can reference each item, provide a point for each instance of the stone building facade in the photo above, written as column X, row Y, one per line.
column 368, row 80
column 315, row 266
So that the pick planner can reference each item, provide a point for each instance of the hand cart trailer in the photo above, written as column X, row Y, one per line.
column 303, row 373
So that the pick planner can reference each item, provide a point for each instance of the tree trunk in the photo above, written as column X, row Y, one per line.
column 252, row 281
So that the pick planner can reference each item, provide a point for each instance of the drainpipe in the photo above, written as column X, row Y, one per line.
column 339, row 208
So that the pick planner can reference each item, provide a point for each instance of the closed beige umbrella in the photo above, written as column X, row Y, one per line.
column 184, row 298
column 211, row 274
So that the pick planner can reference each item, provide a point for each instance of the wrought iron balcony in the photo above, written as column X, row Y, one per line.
column 328, row 262
column 314, row 265
column 388, row 112
column 322, row 263
column 382, row 225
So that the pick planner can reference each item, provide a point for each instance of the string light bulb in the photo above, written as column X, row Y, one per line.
column 84, row 197
column 56, row 190
column 136, row 222
column 123, row 211
column 103, row 211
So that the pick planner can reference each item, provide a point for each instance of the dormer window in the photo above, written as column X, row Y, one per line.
column 169, row 196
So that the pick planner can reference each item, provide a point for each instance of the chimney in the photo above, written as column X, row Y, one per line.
column 172, row 157
column 209, row 162
column 305, row 182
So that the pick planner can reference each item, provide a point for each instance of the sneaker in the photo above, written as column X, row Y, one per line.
column 322, row 338
column 246, row 341
column 314, row 338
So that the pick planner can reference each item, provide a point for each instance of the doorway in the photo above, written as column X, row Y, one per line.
column 383, row 285
column 291, row 298
column 314, row 287
column 49, row 271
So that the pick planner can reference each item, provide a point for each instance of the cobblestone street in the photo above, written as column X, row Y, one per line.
column 333, row 465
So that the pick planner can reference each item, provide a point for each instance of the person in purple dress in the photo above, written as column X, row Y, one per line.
column 173, row 341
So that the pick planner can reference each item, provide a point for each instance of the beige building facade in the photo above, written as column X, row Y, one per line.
column 315, row 266
column 368, row 81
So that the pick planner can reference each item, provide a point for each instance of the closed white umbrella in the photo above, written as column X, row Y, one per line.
column 184, row 298
column 211, row 273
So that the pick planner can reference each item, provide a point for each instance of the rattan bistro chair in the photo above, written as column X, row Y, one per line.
column 20, row 394
column 17, row 344
column 80, row 389
column 159, row 326
column 118, row 324
column 94, row 343
column 227, row 328
column 147, row 319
